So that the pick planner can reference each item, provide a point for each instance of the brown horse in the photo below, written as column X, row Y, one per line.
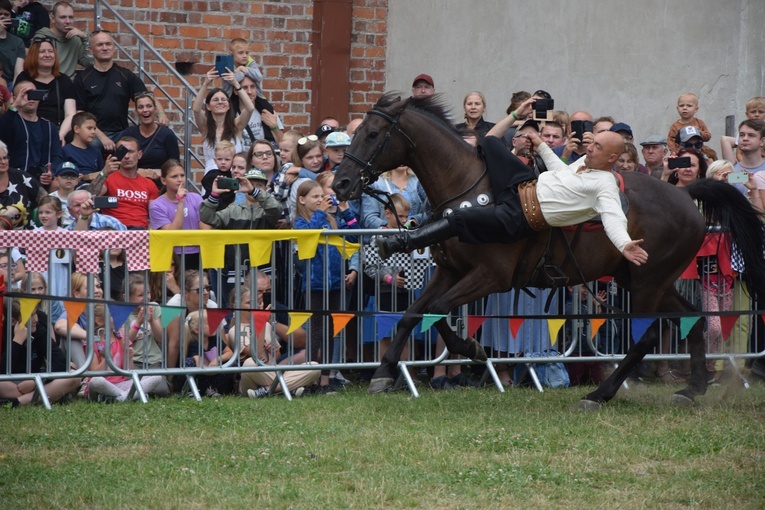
column 417, row 132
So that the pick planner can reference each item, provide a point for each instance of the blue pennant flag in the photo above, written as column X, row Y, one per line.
column 639, row 327
column 120, row 314
column 385, row 323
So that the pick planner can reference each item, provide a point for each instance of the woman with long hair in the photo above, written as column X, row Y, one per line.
column 216, row 119
column 41, row 67
column 474, row 105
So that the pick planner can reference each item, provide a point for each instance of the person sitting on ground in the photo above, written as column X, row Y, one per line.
column 202, row 351
column 45, row 357
column 566, row 195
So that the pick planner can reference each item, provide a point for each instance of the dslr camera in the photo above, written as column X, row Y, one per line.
column 542, row 109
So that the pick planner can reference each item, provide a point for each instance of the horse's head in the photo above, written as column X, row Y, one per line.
column 379, row 145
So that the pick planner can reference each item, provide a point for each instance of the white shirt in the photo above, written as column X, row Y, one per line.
column 568, row 198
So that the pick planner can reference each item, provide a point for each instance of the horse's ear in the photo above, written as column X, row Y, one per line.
column 399, row 105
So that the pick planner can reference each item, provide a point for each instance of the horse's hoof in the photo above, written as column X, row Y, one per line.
column 588, row 405
column 681, row 400
column 379, row 385
column 480, row 355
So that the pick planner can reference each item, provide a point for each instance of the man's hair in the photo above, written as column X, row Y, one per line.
column 604, row 118
column 81, row 117
column 756, row 124
column 553, row 124
column 18, row 83
column 129, row 139
column 57, row 5
column 225, row 146
column 516, row 99
column 754, row 102
column 6, row 5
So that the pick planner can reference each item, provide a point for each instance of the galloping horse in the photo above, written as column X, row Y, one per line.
column 417, row 133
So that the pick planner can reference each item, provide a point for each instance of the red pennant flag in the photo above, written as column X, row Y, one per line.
column 515, row 326
column 727, row 322
column 261, row 317
column 473, row 323
column 762, row 318
column 215, row 316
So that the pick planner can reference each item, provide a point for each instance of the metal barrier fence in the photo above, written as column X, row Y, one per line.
column 574, row 330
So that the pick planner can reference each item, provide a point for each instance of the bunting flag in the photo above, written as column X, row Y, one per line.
column 28, row 306
column 639, row 327
column 727, row 322
column 428, row 320
column 120, row 313
column 339, row 321
column 686, row 325
column 515, row 326
column 215, row 316
column 297, row 319
column 762, row 318
column 385, row 323
column 261, row 318
column 346, row 249
column 553, row 326
column 73, row 311
column 595, row 325
column 169, row 313
column 473, row 323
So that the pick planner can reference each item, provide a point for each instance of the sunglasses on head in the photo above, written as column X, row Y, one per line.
column 38, row 39
column 305, row 139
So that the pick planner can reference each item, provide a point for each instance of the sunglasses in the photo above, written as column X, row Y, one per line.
column 42, row 38
column 694, row 145
column 306, row 139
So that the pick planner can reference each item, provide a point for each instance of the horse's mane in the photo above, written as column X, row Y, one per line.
column 433, row 106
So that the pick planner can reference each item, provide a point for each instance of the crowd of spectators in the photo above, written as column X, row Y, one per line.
column 66, row 139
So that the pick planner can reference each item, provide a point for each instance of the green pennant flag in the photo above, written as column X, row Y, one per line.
column 428, row 319
column 686, row 324
column 169, row 313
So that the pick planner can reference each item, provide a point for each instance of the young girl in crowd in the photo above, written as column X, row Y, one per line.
column 307, row 160
column 112, row 388
column 202, row 351
column 49, row 212
column 312, row 213
column 177, row 209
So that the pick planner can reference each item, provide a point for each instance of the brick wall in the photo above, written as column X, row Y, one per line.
column 280, row 35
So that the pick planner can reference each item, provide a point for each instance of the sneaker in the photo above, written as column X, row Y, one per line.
column 259, row 393
column 106, row 399
column 212, row 393
column 463, row 381
column 336, row 384
column 339, row 376
column 297, row 392
column 441, row 383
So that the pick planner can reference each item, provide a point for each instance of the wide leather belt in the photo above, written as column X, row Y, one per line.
column 527, row 193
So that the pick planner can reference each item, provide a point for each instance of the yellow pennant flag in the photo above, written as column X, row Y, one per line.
column 297, row 319
column 554, row 325
column 28, row 306
column 339, row 321
column 595, row 325
column 73, row 311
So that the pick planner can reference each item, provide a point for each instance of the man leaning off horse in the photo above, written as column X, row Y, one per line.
column 563, row 195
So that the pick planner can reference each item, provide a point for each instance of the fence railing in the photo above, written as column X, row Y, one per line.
column 573, row 330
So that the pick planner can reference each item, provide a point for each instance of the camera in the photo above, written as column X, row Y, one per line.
column 542, row 109
column 684, row 162
column 105, row 202
column 37, row 95
column 580, row 127
column 121, row 152
column 266, row 299
column 37, row 171
column 228, row 183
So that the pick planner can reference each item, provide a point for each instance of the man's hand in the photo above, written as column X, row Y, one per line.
column 245, row 185
column 535, row 139
column 106, row 142
column 634, row 253
column 524, row 110
column 47, row 177
column 111, row 165
column 269, row 119
column 75, row 32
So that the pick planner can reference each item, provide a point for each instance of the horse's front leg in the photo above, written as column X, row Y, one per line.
column 384, row 376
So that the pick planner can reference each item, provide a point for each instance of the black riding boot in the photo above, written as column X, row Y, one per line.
column 408, row 240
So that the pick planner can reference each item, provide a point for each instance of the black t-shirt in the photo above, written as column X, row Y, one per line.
column 31, row 18
column 107, row 95
column 157, row 148
column 59, row 90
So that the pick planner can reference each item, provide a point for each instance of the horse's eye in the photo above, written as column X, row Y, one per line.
column 372, row 135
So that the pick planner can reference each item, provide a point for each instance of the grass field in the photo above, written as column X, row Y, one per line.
column 456, row 449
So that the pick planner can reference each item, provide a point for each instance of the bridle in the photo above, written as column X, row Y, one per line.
column 368, row 176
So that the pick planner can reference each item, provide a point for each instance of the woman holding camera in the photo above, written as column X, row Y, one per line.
column 686, row 167
column 41, row 67
column 475, row 106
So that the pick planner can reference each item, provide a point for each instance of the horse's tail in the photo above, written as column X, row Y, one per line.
column 724, row 205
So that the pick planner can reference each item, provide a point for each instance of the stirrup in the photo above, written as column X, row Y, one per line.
column 555, row 275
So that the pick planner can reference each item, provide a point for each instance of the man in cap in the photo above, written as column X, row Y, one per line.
column 623, row 129
column 654, row 150
column 423, row 86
